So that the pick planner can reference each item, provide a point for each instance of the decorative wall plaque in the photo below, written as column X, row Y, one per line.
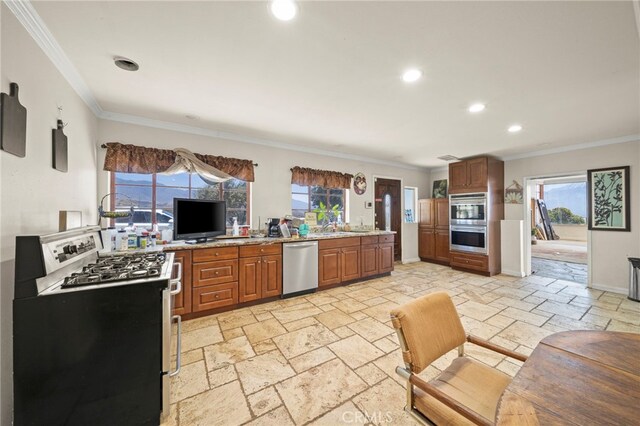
column 59, row 141
column 13, row 123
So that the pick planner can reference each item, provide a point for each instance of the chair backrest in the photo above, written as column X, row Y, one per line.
column 430, row 327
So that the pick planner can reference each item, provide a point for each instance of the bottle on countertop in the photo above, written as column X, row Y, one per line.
column 236, row 228
column 122, row 240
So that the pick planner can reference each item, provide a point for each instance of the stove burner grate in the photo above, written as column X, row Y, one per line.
column 117, row 268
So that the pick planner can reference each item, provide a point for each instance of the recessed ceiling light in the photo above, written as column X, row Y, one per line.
column 515, row 128
column 412, row 75
column 126, row 64
column 284, row 10
column 477, row 107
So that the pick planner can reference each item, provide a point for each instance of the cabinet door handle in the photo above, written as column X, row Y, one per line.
column 217, row 272
column 217, row 254
column 259, row 261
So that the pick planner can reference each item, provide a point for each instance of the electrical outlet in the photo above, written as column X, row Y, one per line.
column 368, row 205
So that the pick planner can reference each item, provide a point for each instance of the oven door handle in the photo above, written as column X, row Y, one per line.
column 177, row 281
column 179, row 346
column 480, row 229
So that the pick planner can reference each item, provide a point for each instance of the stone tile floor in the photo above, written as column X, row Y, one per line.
column 329, row 358
column 570, row 271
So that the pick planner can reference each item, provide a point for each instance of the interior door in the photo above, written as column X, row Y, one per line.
column 389, row 209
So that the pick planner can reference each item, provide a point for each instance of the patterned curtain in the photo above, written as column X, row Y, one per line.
column 323, row 178
column 140, row 159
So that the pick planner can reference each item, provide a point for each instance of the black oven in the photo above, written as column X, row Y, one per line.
column 468, row 209
column 468, row 238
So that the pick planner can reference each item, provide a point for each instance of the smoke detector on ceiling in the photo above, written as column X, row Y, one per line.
column 126, row 64
column 448, row 158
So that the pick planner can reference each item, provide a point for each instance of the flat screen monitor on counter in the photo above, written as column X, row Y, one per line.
column 198, row 219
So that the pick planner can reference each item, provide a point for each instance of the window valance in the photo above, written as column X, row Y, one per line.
column 140, row 159
column 324, row 178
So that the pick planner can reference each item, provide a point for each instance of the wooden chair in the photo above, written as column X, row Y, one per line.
column 465, row 393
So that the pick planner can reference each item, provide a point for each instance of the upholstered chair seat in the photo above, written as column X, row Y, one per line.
column 465, row 393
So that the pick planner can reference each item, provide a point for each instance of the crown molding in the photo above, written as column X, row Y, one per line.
column 35, row 26
column 182, row 128
column 568, row 148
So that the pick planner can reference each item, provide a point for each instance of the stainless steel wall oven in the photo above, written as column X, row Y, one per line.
column 468, row 238
column 468, row 209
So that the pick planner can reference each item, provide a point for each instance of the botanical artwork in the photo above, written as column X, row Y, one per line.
column 609, row 204
column 513, row 194
column 359, row 183
column 440, row 188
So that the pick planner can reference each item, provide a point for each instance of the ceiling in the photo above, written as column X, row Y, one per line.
column 569, row 72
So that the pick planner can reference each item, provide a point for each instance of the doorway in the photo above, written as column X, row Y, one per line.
column 557, row 219
column 388, row 211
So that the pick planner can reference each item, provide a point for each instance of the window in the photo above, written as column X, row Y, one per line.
column 152, row 197
column 313, row 198
column 410, row 203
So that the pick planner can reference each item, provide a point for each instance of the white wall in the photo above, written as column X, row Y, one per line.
column 32, row 192
column 609, row 249
column 271, row 191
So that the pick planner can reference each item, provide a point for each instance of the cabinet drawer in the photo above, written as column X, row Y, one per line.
column 219, row 272
column 215, row 296
column 338, row 242
column 373, row 239
column 260, row 250
column 215, row 253
column 471, row 261
column 387, row 238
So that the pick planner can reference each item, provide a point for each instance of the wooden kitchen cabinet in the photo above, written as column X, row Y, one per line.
column 338, row 260
column 182, row 301
column 426, row 243
column 271, row 276
column 377, row 255
column 477, row 262
column 385, row 258
column 441, row 245
column 433, row 230
column 214, row 278
column 350, row 264
column 469, row 176
column 209, row 273
column 260, row 276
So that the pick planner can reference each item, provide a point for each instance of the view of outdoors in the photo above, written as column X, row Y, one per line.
column 142, row 190
column 316, row 198
column 566, row 202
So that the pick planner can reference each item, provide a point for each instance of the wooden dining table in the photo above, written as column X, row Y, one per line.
column 576, row 378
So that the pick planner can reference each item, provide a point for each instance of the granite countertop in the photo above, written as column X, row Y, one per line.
column 230, row 242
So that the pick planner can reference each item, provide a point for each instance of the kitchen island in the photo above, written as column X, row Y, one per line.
column 230, row 273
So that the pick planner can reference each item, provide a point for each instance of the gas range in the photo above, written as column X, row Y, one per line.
column 97, row 330
column 122, row 267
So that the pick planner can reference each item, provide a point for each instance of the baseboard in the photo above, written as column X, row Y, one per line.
column 603, row 287
column 519, row 274
column 412, row 260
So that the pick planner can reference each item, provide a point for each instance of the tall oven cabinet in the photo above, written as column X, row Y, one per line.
column 479, row 176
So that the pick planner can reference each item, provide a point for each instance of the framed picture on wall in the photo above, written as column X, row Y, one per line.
column 608, row 199
column 440, row 188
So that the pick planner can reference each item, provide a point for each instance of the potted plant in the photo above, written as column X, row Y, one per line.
column 534, row 239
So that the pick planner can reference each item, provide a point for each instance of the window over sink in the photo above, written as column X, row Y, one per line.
column 316, row 198
column 152, row 197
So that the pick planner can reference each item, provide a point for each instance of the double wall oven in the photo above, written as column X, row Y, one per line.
column 92, row 334
column 468, row 222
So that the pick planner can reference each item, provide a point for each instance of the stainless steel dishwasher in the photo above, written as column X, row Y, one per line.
column 299, row 268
